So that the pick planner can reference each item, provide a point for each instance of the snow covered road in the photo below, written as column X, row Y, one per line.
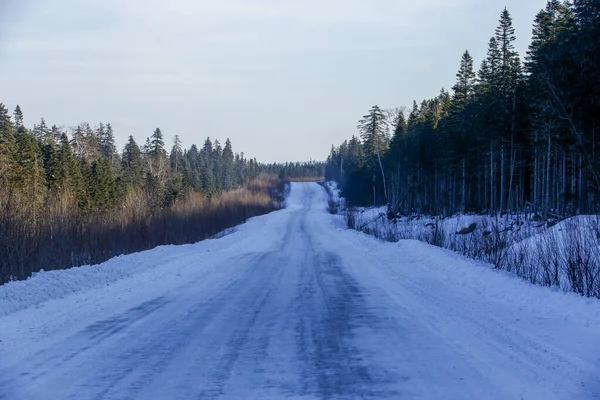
column 294, row 306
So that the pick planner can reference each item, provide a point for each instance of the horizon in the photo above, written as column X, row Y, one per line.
column 266, row 75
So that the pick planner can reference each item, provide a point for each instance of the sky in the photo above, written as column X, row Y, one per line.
column 282, row 79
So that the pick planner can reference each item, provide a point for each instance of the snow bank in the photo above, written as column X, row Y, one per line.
column 160, row 261
column 566, row 255
column 46, row 285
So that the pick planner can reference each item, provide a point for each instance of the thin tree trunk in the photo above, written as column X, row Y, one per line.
column 464, row 186
column 502, row 179
column 548, row 158
column 511, row 175
column 382, row 171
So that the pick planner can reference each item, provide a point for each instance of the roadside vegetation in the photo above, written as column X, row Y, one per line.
column 503, row 168
column 69, row 198
column 565, row 255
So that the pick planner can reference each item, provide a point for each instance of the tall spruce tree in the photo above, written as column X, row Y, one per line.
column 157, row 143
column 207, row 168
column 29, row 175
column 373, row 129
column 42, row 132
column 18, row 116
column 228, row 167
column 108, row 149
column 131, row 165
column 51, row 166
column 7, row 147
column 69, row 177
column 102, row 185
column 176, row 155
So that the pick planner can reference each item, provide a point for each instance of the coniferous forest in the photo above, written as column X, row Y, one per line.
column 520, row 134
column 73, row 199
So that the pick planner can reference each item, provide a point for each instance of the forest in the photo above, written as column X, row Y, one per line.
column 516, row 136
column 69, row 197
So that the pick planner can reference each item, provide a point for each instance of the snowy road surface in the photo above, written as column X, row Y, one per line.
column 294, row 306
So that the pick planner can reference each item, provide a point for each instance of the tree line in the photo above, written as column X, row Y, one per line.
column 71, row 198
column 516, row 135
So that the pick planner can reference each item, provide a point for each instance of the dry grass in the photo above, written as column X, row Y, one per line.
column 308, row 179
column 59, row 236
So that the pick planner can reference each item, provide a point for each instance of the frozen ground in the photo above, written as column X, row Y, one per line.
column 292, row 305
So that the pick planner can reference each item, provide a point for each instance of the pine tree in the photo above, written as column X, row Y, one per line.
column 586, row 44
column 42, row 132
column 465, row 85
column 206, row 166
column 55, row 134
column 413, row 117
column 103, row 191
column 69, row 177
column 176, row 155
column 505, row 36
column 228, row 167
column 85, row 143
column 108, row 148
column 157, row 144
column 29, row 174
column 217, row 160
column 194, row 175
column 18, row 116
column 131, row 164
column 400, row 125
column 457, row 141
column 51, row 166
column 7, row 148
column 78, row 142
column 397, row 144
column 373, row 129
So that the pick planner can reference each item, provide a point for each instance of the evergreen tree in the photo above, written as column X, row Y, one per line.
column 51, row 166
column 206, row 166
column 157, row 144
column 69, row 178
column 108, row 149
column 228, row 167
column 42, row 132
column 102, row 188
column 18, row 116
column 29, row 175
column 505, row 36
column 176, row 155
column 400, row 125
column 488, row 76
column 373, row 129
column 194, row 175
column 217, row 159
column 55, row 134
column 465, row 85
column 7, row 147
column 457, row 141
column 78, row 142
column 131, row 164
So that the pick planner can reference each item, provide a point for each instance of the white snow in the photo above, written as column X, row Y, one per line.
column 334, row 190
column 291, row 305
column 524, row 246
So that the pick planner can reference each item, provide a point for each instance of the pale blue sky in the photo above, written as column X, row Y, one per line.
column 283, row 79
